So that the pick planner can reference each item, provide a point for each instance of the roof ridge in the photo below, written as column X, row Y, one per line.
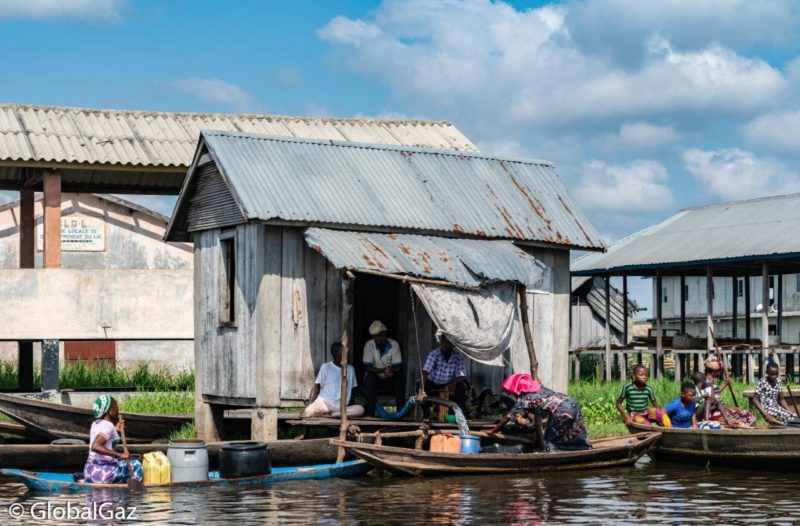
column 422, row 122
column 374, row 146
column 743, row 201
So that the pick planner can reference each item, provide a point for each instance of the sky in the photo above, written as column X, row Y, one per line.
column 644, row 107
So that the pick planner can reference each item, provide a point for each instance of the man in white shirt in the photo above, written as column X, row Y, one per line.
column 326, row 395
column 382, row 362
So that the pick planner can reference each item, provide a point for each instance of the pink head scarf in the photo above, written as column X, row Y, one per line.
column 521, row 383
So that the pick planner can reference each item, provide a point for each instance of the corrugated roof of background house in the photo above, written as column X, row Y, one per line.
column 721, row 234
column 396, row 188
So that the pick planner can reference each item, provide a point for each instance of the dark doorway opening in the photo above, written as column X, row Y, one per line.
column 374, row 298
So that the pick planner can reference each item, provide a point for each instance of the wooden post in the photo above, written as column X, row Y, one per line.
column 684, row 359
column 27, row 250
column 709, row 310
column 52, row 219
column 735, row 359
column 526, row 328
column 659, row 369
column 347, row 310
column 764, row 317
column 747, row 333
column 625, row 313
column 607, row 288
column 779, row 301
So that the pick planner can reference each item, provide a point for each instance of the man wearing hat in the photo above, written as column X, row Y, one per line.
column 382, row 363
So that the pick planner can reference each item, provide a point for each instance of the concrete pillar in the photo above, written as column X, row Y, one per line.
column 50, row 365
column 208, row 421
column 52, row 219
column 27, row 248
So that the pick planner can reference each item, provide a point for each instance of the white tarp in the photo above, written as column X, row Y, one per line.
column 479, row 323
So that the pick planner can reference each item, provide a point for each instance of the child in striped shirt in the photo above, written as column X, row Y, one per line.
column 638, row 397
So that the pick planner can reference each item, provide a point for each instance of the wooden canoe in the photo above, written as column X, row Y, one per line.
column 761, row 448
column 45, row 481
column 72, row 458
column 605, row 453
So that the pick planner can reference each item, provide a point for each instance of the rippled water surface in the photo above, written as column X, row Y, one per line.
column 648, row 493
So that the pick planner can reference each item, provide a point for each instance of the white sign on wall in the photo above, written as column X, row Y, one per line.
column 78, row 234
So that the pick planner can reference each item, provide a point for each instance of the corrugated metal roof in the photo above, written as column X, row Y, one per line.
column 399, row 188
column 160, row 139
column 759, row 228
column 470, row 262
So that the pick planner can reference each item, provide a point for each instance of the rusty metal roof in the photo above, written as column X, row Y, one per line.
column 399, row 189
column 470, row 262
column 96, row 144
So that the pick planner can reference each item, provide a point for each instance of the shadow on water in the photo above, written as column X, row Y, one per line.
column 648, row 493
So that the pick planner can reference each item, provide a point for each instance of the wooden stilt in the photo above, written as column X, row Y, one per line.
column 659, row 369
column 607, row 285
column 764, row 318
column 27, row 250
column 347, row 310
column 526, row 328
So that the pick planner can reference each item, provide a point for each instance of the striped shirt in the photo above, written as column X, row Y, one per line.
column 637, row 399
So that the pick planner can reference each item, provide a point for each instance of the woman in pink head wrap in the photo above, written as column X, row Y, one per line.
column 565, row 429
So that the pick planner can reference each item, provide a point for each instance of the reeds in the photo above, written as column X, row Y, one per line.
column 80, row 375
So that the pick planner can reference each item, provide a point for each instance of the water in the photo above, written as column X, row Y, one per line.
column 648, row 493
column 461, row 421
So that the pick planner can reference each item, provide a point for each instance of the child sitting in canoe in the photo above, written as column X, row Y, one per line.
column 769, row 399
column 104, row 465
column 638, row 397
column 715, row 410
column 681, row 411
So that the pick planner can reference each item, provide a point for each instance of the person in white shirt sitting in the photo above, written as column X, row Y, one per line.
column 382, row 363
column 326, row 395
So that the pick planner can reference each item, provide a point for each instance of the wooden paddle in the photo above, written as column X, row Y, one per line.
column 794, row 402
column 722, row 364
column 133, row 484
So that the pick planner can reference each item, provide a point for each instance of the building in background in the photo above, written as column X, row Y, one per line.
column 588, row 315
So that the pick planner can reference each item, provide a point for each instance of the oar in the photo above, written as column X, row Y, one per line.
column 794, row 401
column 722, row 364
column 133, row 484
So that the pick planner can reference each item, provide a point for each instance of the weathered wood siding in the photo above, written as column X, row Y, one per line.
column 211, row 205
column 588, row 329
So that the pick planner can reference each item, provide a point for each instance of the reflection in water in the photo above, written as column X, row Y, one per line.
column 647, row 493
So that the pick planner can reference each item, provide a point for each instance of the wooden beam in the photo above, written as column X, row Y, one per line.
column 747, row 307
column 709, row 309
column 764, row 316
column 735, row 307
column 625, row 312
column 607, row 287
column 659, row 369
column 683, row 304
column 522, row 290
column 347, row 314
column 779, row 301
column 52, row 219
column 27, row 229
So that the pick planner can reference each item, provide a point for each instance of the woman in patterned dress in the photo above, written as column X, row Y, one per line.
column 104, row 465
column 714, row 408
column 769, row 400
column 565, row 430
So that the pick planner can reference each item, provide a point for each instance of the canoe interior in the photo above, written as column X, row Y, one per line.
column 47, row 481
column 775, row 449
column 605, row 453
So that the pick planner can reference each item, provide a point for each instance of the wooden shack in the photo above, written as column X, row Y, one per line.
column 281, row 226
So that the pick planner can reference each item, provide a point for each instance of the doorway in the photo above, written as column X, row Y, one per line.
column 374, row 298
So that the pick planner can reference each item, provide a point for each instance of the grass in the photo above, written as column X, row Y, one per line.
column 598, row 399
column 159, row 402
column 81, row 375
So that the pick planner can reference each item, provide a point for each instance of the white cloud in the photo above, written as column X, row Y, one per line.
column 489, row 63
column 639, row 186
column 641, row 136
column 777, row 131
column 89, row 10
column 216, row 91
column 735, row 174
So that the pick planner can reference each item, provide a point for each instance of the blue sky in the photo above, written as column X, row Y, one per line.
column 645, row 107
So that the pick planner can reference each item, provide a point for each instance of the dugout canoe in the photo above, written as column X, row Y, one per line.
column 49, row 481
column 73, row 457
column 764, row 448
column 618, row 451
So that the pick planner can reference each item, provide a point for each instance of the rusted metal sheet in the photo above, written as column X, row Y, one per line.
column 308, row 181
column 468, row 262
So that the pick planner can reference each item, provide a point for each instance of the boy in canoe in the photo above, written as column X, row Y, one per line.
column 681, row 411
column 638, row 397
column 769, row 399
column 104, row 465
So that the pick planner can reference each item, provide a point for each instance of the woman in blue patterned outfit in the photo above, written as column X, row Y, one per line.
column 104, row 465
column 565, row 430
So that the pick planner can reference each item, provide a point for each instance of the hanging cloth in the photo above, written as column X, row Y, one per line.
column 478, row 323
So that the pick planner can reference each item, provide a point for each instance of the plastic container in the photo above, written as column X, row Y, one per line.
column 445, row 444
column 188, row 458
column 156, row 468
column 244, row 459
column 470, row 444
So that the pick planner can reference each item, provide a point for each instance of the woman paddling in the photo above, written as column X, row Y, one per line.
column 565, row 429
column 714, row 408
column 104, row 465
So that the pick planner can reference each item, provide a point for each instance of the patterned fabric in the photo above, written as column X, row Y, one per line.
column 637, row 399
column 679, row 414
column 708, row 424
column 742, row 417
column 650, row 416
column 114, row 471
column 565, row 429
column 110, row 435
column 101, row 405
column 441, row 371
column 768, row 395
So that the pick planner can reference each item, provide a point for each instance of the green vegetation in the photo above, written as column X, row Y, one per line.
column 187, row 431
column 81, row 375
column 159, row 402
column 597, row 402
